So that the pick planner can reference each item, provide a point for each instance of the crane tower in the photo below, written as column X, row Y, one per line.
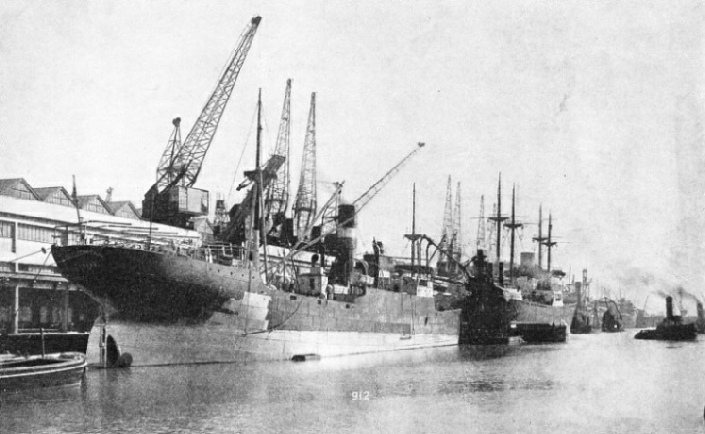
column 278, row 192
column 305, row 205
column 171, row 199
column 446, row 242
column 456, row 242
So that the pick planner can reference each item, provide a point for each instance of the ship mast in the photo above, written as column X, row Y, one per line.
column 255, row 227
column 512, row 226
column 539, row 239
column 414, row 238
column 549, row 243
column 413, row 228
column 498, row 219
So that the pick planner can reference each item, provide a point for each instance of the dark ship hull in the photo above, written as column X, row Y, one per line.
column 675, row 332
column 172, row 309
column 487, row 315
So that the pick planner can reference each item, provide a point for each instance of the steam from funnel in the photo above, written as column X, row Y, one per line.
column 684, row 294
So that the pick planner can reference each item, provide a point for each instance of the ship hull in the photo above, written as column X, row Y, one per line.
column 160, row 345
column 176, row 310
column 529, row 312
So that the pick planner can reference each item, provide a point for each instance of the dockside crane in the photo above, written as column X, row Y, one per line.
column 445, row 244
column 277, row 195
column 305, row 205
column 456, row 240
column 172, row 199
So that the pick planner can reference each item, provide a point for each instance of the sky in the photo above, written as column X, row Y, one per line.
column 592, row 109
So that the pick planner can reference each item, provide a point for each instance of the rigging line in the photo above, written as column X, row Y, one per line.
column 242, row 154
column 268, row 136
column 34, row 279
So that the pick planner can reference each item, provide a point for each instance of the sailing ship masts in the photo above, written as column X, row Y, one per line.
column 256, row 214
column 255, row 223
column 550, row 227
column 513, row 228
column 413, row 229
column 540, row 238
column 499, row 220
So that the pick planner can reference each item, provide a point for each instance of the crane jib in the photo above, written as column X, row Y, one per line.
column 196, row 144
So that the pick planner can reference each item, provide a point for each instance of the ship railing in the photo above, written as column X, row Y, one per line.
column 224, row 254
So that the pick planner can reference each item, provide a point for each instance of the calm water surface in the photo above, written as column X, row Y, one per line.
column 593, row 383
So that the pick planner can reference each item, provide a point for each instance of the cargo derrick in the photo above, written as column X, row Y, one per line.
column 236, row 232
column 342, row 244
column 172, row 199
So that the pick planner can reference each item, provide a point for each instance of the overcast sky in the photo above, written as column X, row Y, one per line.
column 594, row 109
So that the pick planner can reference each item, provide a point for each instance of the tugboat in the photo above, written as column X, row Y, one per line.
column 671, row 328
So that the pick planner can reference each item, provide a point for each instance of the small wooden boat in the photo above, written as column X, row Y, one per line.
column 19, row 373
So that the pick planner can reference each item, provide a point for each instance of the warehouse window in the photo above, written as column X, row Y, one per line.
column 60, row 199
column 35, row 233
column 22, row 192
column 95, row 206
column 6, row 229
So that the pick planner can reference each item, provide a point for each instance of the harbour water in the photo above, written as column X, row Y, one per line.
column 592, row 383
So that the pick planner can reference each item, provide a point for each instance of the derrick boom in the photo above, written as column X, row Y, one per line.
column 371, row 192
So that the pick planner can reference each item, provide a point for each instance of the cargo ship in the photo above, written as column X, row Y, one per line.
column 210, row 304
column 544, row 306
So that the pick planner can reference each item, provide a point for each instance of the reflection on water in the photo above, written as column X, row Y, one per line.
column 598, row 383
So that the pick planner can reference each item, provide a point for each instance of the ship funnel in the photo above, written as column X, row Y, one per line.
column 669, row 307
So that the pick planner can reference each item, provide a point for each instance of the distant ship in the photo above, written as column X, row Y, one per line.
column 547, row 307
column 539, row 302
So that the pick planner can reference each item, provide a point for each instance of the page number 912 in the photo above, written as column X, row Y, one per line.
column 361, row 395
